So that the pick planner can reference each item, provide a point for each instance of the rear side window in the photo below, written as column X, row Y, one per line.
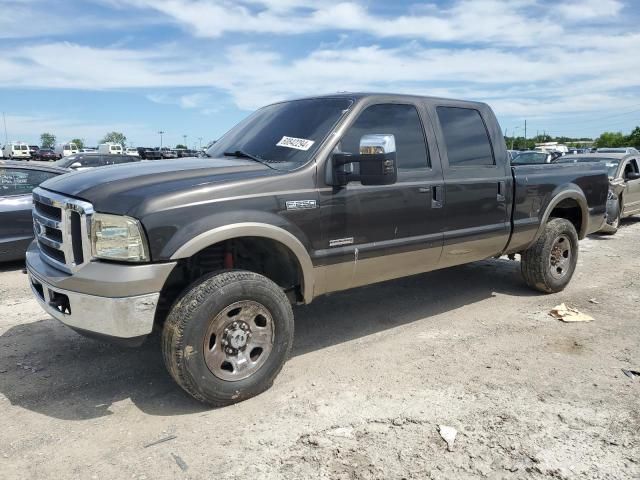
column 465, row 136
column 18, row 181
column 400, row 120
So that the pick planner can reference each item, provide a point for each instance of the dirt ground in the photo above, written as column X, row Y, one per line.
column 373, row 373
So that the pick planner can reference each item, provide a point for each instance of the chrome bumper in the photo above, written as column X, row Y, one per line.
column 104, row 300
column 124, row 317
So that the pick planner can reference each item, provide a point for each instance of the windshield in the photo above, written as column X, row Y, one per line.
column 610, row 163
column 528, row 158
column 287, row 133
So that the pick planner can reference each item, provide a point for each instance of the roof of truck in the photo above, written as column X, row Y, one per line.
column 396, row 96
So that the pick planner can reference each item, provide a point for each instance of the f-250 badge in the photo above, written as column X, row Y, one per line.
column 301, row 204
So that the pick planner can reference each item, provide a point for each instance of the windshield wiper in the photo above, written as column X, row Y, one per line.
column 243, row 154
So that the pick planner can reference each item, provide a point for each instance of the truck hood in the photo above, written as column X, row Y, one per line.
column 122, row 188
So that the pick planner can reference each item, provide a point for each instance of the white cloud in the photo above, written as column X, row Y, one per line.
column 525, row 57
column 590, row 9
column 253, row 76
column 192, row 100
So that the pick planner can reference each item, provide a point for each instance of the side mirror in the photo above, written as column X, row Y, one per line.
column 75, row 165
column 632, row 176
column 377, row 160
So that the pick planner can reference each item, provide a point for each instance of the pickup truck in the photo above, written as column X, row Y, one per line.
column 300, row 199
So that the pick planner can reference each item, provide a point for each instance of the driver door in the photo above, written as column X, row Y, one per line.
column 373, row 233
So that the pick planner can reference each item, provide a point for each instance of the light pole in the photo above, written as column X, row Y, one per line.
column 200, row 143
column 185, row 141
column 514, row 136
column 161, row 132
column 6, row 137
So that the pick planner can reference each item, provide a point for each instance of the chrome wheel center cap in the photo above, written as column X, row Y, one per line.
column 237, row 338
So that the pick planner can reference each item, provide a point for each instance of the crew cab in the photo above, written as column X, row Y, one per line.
column 302, row 198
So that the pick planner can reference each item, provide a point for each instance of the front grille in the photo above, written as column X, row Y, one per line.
column 62, row 226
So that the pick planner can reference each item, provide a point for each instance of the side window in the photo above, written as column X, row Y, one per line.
column 17, row 181
column 631, row 167
column 400, row 120
column 465, row 136
column 88, row 161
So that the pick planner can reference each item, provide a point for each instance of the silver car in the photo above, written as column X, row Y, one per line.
column 17, row 180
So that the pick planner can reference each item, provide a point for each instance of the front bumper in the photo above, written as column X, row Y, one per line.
column 96, row 305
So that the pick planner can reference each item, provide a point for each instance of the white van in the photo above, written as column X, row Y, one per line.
column 110, row 148
column 66, row 149
column 16, row 150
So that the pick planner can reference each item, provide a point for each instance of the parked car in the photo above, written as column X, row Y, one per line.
column 84, row 161
column 624, row 178
column 16, row 151
column 88, row 150
column 131, row 151
column 534, row 157
column 33, row 151
column 17, row 180
column 625, row 150
column 300, row 199
column 149, row 153
column 110, row 148
column 513, row 153
column 65, row 149
column 46, row 155
column 166, row 152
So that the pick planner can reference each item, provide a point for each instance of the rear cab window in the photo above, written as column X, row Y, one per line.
column 466, row 137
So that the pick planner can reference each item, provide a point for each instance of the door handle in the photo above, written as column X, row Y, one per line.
column 501, row 190
column 436, row 196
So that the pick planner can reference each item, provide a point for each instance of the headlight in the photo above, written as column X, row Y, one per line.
column 115, row 237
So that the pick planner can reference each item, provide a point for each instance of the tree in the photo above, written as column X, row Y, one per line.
column 633, row 140
column 115, row 137
column 181, row 146
column 47, row 140
column 79, row 143
column 611, row 139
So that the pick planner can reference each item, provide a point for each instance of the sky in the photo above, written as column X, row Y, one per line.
column 82, row 68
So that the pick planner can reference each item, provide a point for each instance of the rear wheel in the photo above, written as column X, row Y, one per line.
column 228, row 337
column 549, row 263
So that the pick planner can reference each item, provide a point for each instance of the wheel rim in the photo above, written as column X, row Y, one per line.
column 239, row 340
column 560, row 258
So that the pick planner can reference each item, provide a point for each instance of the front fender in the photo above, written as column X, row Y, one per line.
column 254, row 229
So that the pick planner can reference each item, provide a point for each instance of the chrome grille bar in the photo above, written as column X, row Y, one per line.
column 46, row 205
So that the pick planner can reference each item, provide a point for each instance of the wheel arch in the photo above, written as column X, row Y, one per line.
column 260, row 230
column 572, row 197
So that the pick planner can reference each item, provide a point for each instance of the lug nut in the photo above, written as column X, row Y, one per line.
column 235, row 324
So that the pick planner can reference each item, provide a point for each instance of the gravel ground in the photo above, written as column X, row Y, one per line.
column 373, row 373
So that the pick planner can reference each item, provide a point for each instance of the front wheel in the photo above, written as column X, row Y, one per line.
column 611, row 226
column 228, row 337
column 549, row 263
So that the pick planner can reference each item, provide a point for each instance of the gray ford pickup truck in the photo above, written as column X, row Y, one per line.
column 302, row 198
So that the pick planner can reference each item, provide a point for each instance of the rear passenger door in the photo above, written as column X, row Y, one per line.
column 477, row 187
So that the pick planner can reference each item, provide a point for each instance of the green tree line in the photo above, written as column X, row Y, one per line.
column 606, row 139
